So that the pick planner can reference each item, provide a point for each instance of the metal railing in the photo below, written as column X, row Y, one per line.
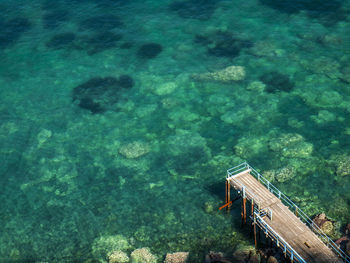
column 292, row 206
column 280, row 242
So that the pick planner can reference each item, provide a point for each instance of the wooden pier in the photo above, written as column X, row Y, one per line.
column 280, row 219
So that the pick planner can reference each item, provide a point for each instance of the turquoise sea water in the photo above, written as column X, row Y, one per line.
column 118, row 120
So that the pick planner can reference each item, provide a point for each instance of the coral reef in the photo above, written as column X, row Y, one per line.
column 178, row 257
column 149, row 50
column 143, row 255
column 231, row 73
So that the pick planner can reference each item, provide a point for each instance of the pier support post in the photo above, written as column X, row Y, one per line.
column 254, row 225
column 227, row 194
column 244, row 211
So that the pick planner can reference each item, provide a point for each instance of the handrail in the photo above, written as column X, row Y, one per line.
column 279, row 240
column 291, row 205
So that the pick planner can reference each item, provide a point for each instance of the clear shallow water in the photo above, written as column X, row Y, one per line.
column 145, row 158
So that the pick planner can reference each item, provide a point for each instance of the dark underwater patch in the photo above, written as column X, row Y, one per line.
column 55, row 18
column 98, row 42
column 223, row 44
column 101, row 23
column 295, row 6
column 196, row 9
column 99, row 93
column 149, row 50
column 323, row 10
column 11, row 30
column 62, row 40
column 276, row 81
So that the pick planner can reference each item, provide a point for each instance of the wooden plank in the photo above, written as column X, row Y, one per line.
column 285, row 222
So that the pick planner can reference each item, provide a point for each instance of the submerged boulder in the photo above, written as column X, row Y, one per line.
column 143, row 255
column 229, row 74
column 134, row 149
column 178, row 257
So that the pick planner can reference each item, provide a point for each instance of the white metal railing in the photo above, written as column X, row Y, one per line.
column 287, row 249
column 291, row 205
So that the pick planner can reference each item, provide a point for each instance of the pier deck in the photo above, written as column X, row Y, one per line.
column 284, row 226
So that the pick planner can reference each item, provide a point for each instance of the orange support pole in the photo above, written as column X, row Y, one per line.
column 245, row 210
column 228, row 195
column 256, row 244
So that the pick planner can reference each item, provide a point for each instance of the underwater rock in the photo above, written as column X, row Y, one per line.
column 186, row 151
column 223, row 44
column 11, row 30
column 265, row 48
column 323, row 117
column 105, row 246
column 243, row 253
column 325, row 224
column 256, row 86
column 323, row 65
column 285, row 174
column 209, row 207
column 323, row 98
column 178, row 257
column 276, row 81
column 229, row 74
column 347, row 229
column 196, row 9
column 215, row 257
column 165, row 88
column 345, row 74
column 134, row 149
column 43, row 136
column 55, row 18
column 118, row 257
column 98, row 94
column 251, row 146
column 342, row 163
column 291, row 145
column 143, row 255
column 272, row 259
column 295, row 6
column 149, row 50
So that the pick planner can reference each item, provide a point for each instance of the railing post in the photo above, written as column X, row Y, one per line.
column 268, row 185
column 296, row 210
column 279, row 194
